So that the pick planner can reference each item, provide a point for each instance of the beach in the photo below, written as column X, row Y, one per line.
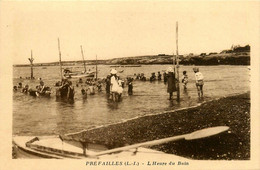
column 232, row 111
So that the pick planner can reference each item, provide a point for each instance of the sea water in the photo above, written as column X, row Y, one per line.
column 48, row 116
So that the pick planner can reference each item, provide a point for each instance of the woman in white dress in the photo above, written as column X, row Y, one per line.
column 115, row 88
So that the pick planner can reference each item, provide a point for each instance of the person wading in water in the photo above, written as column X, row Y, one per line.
column 164, row 77
column 108, row 84
column 184, row 80
column 114, row 85
column 199, row 81
column 171, row 82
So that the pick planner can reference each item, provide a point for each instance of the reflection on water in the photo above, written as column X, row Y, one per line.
column 47, row 116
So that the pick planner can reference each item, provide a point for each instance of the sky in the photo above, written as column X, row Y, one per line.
column 122, row 29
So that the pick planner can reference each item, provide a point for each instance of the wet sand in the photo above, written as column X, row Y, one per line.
column 231, row 111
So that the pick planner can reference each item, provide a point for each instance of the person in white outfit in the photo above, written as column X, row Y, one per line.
column 114, row 85
column 199, row 81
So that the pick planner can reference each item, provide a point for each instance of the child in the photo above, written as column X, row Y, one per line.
column 83, row 91
column 120, row 91
column 80, row 81
column 199, row 81
column 91, row 89
column 184, row 80
column 99, row 86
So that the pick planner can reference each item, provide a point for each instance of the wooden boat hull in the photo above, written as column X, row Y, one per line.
column 52, row 147
column 22, row 152
column 80, row 75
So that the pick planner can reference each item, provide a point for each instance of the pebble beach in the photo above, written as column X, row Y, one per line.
column 232, row 111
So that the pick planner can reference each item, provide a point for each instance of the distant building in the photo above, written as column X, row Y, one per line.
column 213, row 53
column 236, row 48
column 226, row 51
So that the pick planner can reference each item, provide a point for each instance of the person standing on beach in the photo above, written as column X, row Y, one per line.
column 184, row 80
column 171, row 82
column 199, row 81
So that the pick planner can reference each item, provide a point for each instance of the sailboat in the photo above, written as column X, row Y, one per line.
column 68, row 73
column 65, row 90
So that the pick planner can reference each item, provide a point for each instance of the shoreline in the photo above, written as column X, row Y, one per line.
column 129, row 65
column 153, row 114
column 230, row 58
column 224, row 111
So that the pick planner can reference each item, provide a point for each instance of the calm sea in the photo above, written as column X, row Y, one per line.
column 46, row 116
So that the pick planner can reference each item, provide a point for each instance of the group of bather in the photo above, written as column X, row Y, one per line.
column 170, row 80
column 114, row 85
column 141, row 76
column 40, row 90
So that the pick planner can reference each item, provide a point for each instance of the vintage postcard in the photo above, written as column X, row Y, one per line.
column 129, row 85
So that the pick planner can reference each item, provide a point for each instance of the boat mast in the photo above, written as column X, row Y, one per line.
column 31, row 61
column 177, row 62
column 83, row 59
column 60, row 58
column 96, row 68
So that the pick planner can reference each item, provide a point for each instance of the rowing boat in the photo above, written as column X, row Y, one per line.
column 61, row 147
column 53, row 147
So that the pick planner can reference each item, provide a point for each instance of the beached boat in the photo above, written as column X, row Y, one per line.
column 53, row 147
column 67, row 146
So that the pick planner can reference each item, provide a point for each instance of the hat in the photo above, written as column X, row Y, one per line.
column 196, row 69
column 113, row 71
column 170, row 69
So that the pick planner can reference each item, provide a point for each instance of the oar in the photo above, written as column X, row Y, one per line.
column 194, row 135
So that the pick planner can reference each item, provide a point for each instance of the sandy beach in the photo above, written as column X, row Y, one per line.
column 233, row 111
